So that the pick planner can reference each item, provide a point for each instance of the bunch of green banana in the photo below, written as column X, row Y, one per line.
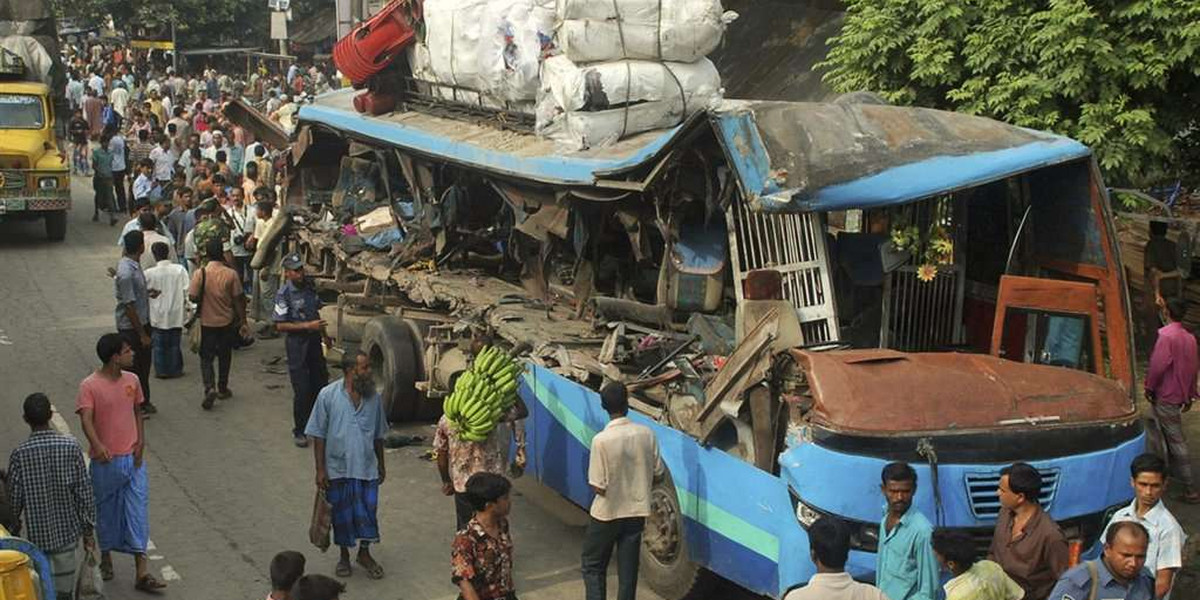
column 482, row 394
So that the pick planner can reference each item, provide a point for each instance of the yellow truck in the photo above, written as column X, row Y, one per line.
column 35, row 181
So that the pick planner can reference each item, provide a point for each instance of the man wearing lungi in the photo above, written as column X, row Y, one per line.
column 1171, row 388
column 347, row 427
column 108, row 407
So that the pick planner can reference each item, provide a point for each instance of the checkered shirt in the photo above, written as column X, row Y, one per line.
column 48, row 483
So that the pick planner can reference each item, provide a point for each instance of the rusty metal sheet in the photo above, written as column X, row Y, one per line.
column 240, row 113
column 874, row 393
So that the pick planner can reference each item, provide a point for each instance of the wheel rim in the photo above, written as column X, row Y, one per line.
column 662, row 536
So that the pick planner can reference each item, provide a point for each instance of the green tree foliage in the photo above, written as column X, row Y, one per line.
column 198, row 22
column 1120, row 76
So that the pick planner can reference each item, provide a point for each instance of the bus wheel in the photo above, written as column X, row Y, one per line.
column 390, row 344
column 665, row 564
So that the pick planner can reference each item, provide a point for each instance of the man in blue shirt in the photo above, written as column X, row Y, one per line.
column 297, row 314
column 133, row 310
column 907, row 568
column 1119, row 573
column 347, row 427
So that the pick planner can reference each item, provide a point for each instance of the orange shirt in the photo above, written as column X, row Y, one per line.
column 112, row 404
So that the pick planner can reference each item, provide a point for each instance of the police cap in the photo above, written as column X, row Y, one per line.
column 293, row 262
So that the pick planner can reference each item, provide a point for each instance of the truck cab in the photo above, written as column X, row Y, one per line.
column 34, row 177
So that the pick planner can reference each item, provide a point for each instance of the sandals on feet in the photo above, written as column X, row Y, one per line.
column 342, row 569
column 106, row 571
column 147, row 583
column 374, row 570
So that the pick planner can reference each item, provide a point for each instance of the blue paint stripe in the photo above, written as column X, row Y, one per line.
column 943, row 174
column 541, row 162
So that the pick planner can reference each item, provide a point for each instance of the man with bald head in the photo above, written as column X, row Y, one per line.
column 1119, row 573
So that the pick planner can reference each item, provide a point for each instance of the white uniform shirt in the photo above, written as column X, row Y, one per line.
column 167, row 311
column 624, row 462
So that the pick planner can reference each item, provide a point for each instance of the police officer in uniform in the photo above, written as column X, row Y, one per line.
column 296, row 315
column 1119, row 573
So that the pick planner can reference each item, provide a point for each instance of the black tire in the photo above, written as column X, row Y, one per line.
column 665, row 564
column 390, row 344
column 56, row 225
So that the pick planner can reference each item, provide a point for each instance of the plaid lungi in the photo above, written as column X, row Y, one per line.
column 354, row 502
column 1170, row 424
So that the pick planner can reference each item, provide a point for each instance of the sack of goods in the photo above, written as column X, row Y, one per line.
column 483, row 394
column 587, row 106
column 488, row 46
column 670, row 30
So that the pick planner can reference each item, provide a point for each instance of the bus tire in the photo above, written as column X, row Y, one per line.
column 56, row 225
column 392, row 347
column 665, row 564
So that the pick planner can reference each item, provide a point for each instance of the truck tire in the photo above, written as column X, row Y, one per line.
column 56, row 225
column 392, row 347
column 665, row 564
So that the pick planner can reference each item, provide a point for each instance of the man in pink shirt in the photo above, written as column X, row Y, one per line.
column 108, row 410
column 1171, row 387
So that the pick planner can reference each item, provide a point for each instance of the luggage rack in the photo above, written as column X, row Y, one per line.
column 419, row 95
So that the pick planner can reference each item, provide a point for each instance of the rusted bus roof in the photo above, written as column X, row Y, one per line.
column 241, row 113
column 882, row 391
column 832, row 156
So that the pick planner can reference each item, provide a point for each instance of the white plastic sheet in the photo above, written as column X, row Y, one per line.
column 669, row 30
column 586, row 106
column 493, row 46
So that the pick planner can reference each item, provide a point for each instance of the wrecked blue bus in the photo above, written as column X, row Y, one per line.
column 795, row 294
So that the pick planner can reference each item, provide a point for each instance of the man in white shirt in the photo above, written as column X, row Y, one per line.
column 243, row 217
column 1164, row 555
column 624, row 465
column 167, row 311
column 96, row 82
column 119, row 99
column 164, row 161
column 829, row 548
column 218, row 144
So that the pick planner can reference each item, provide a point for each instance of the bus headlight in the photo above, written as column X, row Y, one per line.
column 47, row 183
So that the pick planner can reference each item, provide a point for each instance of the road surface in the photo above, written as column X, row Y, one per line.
column 227, row 488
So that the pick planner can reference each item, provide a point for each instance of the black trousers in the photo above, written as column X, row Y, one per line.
column 626, row 535
column 306, row 369
column 141, row 359
column 216, row 343
column 119, row 188
column 463, row 511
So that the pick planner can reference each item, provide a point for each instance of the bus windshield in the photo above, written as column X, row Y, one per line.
column 21, row 111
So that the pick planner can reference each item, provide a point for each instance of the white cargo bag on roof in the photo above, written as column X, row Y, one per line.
column 670, row 30
column 586, row 106
column 492, row 46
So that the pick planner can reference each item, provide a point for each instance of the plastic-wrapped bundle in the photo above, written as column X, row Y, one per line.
column 492, row 46
column 670, row 30
column 587, row 106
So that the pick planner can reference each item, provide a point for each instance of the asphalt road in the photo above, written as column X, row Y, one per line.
column 227, row 488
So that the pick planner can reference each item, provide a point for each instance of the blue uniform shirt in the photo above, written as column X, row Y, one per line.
column 349, row 433
column 907, row 568
column 296, row 304
column 1076, row 584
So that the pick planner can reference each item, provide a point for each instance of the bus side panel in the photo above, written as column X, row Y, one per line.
column 738, row 520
